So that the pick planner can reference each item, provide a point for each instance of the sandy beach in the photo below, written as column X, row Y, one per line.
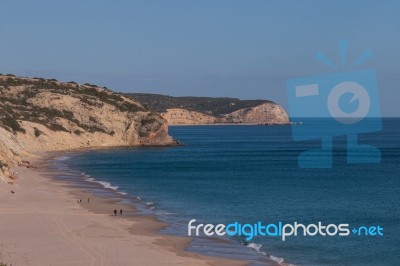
column 42, row 223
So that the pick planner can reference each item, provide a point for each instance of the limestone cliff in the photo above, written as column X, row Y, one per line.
column 208, row 110
column 178, row 116
column 47, row 115
column 263, row 114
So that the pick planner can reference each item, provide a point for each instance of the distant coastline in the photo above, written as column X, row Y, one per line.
column 48, row 115
column 209, row 110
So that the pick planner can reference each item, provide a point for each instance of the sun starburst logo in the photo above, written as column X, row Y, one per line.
column 347, row 103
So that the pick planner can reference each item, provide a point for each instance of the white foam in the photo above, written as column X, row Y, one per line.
column 277, row 259
column 107, row 185
column 257, row 247
column 280, row 261
column 62, row 158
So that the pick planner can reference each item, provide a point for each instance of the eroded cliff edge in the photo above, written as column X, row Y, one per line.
column 47, row 115
column 207, row 110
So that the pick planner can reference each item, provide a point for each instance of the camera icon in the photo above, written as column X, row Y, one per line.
column 342, row 104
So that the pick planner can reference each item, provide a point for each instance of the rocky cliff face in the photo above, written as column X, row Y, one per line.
column 178, row 116
column 47, row 115
column 190, row 110
column 263, row 114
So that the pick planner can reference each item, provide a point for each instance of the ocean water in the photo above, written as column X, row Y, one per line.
column 249, row 174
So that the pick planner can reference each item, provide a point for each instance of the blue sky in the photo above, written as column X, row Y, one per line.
column 244, row 49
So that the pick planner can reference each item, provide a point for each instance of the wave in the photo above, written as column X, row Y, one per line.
column 257, row 247
column 150, row 204
column 62, row 158
column 105, row 184
column 280, row 261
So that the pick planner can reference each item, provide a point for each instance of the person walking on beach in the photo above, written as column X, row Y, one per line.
column 115, row 212
column 120, row 212
column 87, row 200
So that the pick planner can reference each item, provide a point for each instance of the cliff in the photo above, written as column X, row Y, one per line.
column 179, row 116
column 46, row 115
column 206, row 110
column 264, row 114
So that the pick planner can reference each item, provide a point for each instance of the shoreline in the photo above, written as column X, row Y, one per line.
column 90, row 184
column 43, row 217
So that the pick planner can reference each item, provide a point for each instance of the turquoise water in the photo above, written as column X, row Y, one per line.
column 250, row 174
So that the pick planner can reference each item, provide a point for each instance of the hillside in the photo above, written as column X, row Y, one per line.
column 207, row 105
column 46, row 115
column 206, row 110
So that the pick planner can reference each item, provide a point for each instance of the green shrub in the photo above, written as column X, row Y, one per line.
column 3, row 164
column 37, row 132
column 129, row 107
column 92, row 119
column 90, row 85
column 147, row 121
column 91, row 102
column 57, row 127
column 48, row 113
column 68, row 114
column 12, row 123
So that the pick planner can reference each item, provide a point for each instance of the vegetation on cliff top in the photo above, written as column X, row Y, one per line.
column 15, row 94
column 206, row 105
